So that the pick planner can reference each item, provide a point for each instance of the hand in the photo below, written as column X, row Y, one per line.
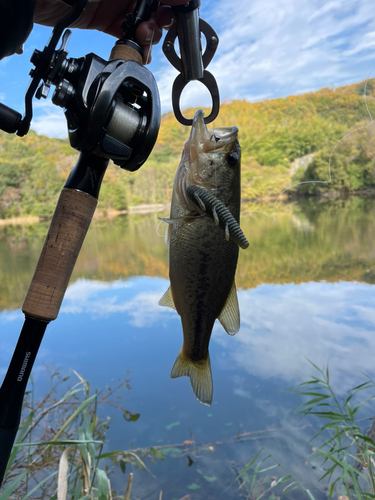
column 107, row 16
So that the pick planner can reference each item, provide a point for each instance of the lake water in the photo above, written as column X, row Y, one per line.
column 306, row 291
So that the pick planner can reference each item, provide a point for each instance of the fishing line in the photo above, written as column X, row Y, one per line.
column 214, row 138
column 173, row 221
column 148, row 58
column 157, row 229
column 333, row 150
column 169, row 222
column 258, row 212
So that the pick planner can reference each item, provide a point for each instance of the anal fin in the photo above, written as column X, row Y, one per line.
column 230, row 314
column 167, row 300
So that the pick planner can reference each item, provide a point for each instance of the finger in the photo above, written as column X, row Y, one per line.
column 110, row 15
column 49, row 15
column 164, row 17
column 148, row 33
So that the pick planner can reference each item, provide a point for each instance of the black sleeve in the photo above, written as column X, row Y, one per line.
column 16, row 22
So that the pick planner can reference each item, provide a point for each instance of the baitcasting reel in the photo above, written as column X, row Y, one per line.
column 112, row 108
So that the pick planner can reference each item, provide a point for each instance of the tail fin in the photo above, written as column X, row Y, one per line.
column 200, row 377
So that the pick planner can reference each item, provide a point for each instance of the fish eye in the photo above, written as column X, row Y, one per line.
column 232, row 159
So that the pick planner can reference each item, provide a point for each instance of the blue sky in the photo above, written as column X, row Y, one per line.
column 268, row 49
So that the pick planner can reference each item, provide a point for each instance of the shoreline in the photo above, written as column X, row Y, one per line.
column 153, row 208
column 99, row 214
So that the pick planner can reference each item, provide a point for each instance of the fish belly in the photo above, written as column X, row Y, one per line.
column 202, row 270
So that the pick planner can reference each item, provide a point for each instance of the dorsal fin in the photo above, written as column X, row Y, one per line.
column 167, row 299
column 230, row 314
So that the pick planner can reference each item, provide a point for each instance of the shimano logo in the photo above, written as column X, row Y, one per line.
column 23, row 367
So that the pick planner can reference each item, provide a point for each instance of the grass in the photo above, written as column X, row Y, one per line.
column 345, row 452
column 57, row 453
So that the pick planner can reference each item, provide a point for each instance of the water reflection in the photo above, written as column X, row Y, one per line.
column 282, row 325
column 137, row 298
column 304, row 290
column 308, row 242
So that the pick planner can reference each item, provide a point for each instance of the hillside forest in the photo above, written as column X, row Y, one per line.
column 284, row 142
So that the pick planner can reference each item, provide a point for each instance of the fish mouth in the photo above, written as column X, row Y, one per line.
column 223, row 134
column 200, row 149
column 203, row 140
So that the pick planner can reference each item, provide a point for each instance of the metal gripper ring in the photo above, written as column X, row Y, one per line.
column 209, row 82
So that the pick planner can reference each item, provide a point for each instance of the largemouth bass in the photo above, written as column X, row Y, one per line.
column 204, row 239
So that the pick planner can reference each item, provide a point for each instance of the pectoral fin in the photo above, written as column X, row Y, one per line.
column 230, row 314
column 167, row 235
column 169, row 221
column 219, row 213
column 167, row 299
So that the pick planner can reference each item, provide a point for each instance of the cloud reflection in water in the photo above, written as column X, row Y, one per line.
column 281, row 325
column 131, row 297
column 119, row 325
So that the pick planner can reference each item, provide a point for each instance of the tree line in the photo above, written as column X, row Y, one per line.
column 274, row 135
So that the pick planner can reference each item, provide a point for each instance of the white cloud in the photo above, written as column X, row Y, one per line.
column 9, row 316
column 49, row 120
column 267, row 49
column 276, row 48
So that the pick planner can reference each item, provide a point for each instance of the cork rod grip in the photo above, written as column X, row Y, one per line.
column 67, row 231
column 125, row 53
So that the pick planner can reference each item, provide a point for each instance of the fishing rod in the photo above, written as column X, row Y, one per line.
column 112, row 110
